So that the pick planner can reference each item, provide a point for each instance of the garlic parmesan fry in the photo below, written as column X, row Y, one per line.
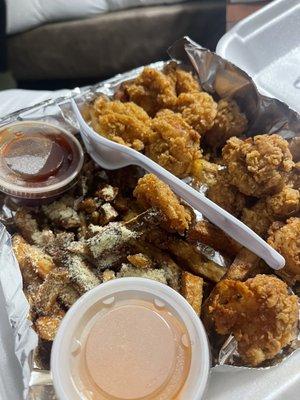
column 32, row 257
column 192, row 290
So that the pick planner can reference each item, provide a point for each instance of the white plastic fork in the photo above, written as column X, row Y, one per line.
column 111, row 155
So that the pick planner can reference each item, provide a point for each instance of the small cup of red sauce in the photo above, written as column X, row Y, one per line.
column 38, row 160
column 130, row 339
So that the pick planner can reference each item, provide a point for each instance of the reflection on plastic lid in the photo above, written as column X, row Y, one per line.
column 38, row 160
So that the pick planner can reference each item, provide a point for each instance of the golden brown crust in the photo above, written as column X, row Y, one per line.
column 226, row 195
column 198, row 109
column 260, row 313
column 279, row 206
column 229, row 121
column 185, row 82
column 124, row 123
column 151, row 90
column 140, row 260
column 258, row 166
column 192, row 290
column 285, row 238
column 152, row 192
column 174, row 145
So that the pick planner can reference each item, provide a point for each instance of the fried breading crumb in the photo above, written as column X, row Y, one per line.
column 62, row 213
column 108, row 275
column 154, row 274
column 152, row 192
column 285, row 238
column 140, row 260
column 229, row 121
column 174, row 145
column 107, row 192
column 198, row 109
column 108, row 213
column 151, row 90
column 192, row 290
column 259, row 165
column 47, row 327
column 260, row 313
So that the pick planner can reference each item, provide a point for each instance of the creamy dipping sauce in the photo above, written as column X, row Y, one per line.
column 129, row 350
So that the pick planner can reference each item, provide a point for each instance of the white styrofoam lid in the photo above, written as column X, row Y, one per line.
column 267, row 46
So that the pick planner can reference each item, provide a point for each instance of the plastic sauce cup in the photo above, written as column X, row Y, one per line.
column 130, row 339
column 38, row 160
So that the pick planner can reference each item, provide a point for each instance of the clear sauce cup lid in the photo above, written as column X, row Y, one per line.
column 37, row 159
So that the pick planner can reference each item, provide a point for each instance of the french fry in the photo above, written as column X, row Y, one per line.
column 192, row 290
column 47, row 327
column 188, row 254
column 243, row 265
column 162, row 260
column 49, row 290
column 207, row 233
column 31, row 258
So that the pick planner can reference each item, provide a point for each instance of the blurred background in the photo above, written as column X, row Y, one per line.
column 54, row 44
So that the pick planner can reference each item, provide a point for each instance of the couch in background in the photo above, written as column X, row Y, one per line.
column 101, row 46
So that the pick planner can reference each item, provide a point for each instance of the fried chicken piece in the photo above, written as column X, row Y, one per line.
column 174, row 145
column 279, row 206
column 151, row 90
column 295, row 176
column 285, row 238
column 209, row 234
column 192, row 290
column 185, row 82
column 198, row 109
column 258, row 218
column 152, row 192
column 260, row 313
column 226, row 195
column 258, row 166
column 229, row 121
column 208, row 173
column 124, row 123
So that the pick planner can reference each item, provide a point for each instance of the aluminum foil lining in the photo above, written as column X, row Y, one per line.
column 219, row 78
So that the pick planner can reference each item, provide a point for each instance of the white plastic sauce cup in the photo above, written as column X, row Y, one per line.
column 81, row 318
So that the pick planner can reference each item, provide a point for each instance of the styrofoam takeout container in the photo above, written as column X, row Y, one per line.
column 129, row 288
column 267, row 46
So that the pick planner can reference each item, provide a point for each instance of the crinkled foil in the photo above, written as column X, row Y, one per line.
column 218, row 77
